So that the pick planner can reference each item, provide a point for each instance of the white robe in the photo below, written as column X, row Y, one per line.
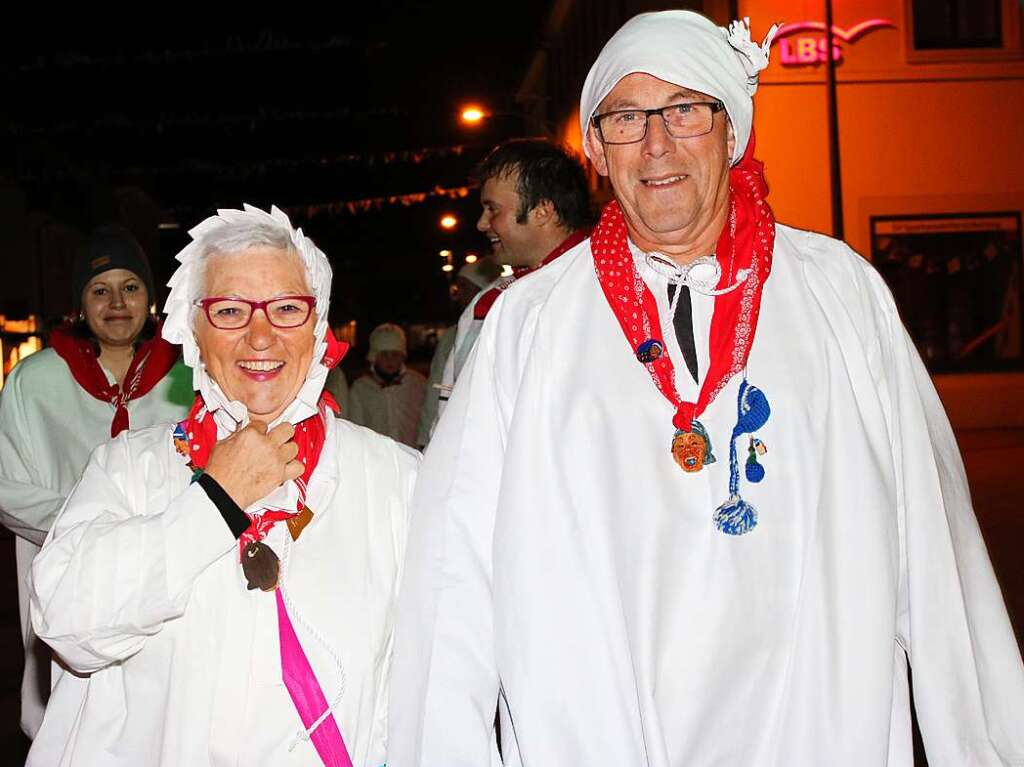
column 394, row 410
column 48, row 427
column 138, row 587
column 466, row 332
column 560, row 558
column 432, row 400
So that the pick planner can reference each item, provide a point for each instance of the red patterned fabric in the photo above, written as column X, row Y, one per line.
column 152, row 361
column 746, row 242
column 486, row 301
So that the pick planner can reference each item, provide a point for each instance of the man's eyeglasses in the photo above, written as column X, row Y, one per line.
column 627, row 126
column 229, row 313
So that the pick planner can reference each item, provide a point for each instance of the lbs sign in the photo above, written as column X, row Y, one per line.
column 798, row 50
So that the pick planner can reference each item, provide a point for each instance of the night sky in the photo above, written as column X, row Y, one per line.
column 192, row 112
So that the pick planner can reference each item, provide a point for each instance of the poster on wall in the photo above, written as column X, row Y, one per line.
column 957, row 282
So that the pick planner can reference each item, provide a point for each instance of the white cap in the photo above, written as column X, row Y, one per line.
column 687, row 49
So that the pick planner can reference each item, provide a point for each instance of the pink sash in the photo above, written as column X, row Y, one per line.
column 306, row 694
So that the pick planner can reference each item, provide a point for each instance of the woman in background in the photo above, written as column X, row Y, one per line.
column 105, row 371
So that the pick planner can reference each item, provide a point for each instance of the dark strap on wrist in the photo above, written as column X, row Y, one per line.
column 236, row 519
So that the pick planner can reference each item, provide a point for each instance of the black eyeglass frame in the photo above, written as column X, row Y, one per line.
column 206, row 303
column 715, row 106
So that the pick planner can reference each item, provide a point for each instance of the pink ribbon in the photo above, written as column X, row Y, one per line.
column 306, row 694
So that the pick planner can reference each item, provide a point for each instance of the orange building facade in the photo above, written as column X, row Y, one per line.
column 930, row 147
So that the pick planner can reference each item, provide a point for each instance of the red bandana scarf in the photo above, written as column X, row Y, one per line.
column 486, row 301
column 197, row 434
column 152, row 361
column 746, row 243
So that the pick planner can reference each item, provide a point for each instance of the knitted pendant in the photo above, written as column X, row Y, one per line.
column 736, row 516
column 692, row 449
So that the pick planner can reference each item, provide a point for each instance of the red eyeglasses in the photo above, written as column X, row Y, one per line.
column 230, row 313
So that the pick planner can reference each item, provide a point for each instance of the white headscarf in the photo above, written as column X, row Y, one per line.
column 386, row 338
column 184, row 284
column 687, row 49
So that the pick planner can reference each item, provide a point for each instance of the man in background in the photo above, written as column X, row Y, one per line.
column 388, row 398
column 536, row 206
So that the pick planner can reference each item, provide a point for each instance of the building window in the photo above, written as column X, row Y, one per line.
column 957, row 24
column 957, row 281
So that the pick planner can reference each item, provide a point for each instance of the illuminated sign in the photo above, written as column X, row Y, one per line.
column 803, row 51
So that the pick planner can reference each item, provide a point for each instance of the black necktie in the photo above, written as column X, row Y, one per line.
column 683, row 322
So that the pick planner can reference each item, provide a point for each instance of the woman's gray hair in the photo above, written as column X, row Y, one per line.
column 234, row 231
column 237, row 237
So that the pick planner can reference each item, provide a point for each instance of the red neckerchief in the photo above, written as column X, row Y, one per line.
column 152, row 361
column 197, row 434
column 746, row 242
column 486, row 301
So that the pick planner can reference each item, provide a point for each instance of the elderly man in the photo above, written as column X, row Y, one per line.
column 223, row 589
column 758, row 600
column 388, row 398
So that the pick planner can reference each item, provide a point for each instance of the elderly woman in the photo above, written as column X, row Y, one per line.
column 105, row 370
column 202, row 631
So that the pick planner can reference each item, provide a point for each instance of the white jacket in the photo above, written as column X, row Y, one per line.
column 48, row 427
column 139, row 590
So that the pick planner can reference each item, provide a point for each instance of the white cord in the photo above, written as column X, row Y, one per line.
column 305, row 734
column 680, row 276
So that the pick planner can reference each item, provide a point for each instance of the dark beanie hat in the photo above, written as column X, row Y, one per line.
column 109, row 247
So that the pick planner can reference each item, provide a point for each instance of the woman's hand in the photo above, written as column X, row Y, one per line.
column 253, row 462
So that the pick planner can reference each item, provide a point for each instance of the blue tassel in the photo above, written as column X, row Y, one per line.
column 735, row 516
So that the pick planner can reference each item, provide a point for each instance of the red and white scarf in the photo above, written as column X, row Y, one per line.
column 746, row 242
column 152, row 361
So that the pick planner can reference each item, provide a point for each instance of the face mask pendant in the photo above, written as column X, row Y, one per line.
column 692, row 449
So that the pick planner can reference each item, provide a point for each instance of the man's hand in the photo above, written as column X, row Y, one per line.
column 253, row 462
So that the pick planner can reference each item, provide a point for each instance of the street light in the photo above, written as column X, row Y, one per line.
column 448, row 221
column 445, row 253
column 447, row 268
column 471, row 258
column 472, row 114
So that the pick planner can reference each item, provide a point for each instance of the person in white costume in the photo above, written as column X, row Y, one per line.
column 389, row 397
column 727, row 556
column 200, row 630
column 471, row 279
column 104, row 371
column 535, row 207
